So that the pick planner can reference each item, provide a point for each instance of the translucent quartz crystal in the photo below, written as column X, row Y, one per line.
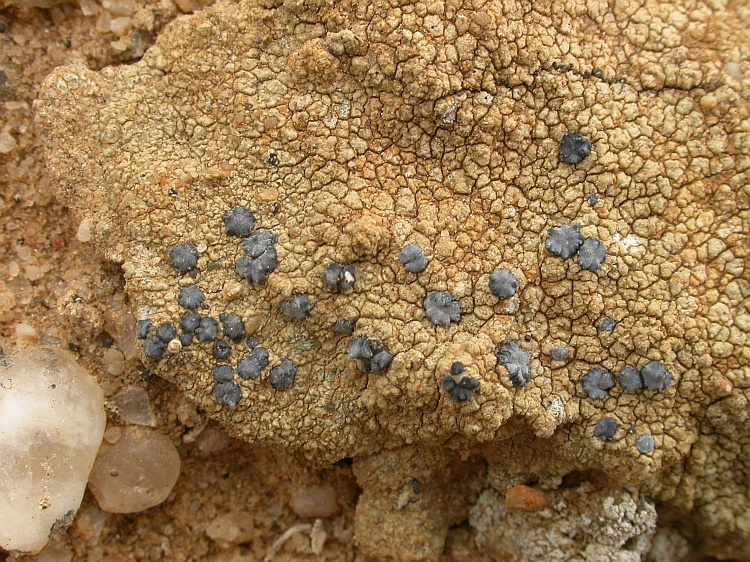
column 136, row 473
column 51, row 425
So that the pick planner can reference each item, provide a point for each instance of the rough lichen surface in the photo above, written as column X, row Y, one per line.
column 350, row 130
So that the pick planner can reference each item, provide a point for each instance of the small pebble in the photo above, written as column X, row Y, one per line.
column 134, row 406
column 7, row 143
column 136, row 473
column 232, row 528
column 315, row 502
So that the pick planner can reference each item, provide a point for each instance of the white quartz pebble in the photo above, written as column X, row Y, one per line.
column 51, row 425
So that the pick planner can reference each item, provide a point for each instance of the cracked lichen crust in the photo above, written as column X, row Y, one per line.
column 350, row 130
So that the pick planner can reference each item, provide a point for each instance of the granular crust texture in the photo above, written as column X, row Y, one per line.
column 349, row 130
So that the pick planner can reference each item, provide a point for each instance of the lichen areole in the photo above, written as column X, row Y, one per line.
column 412, row 258
column 251, row 366
column 574, row 148
column 459, row 387
column 374, row 357
column 605, row 429
column 344, row 326
column 207, row 330
column 260, row 259
column 503, row 284
column 559, row 353
column 340, row 277
column 597, row 383
column 239, row 221
column 630, row 379
column 298, row 307
column 282, row 375
column 591, row 254
column 190, row 297
column 227, row 393
column 184, row 257
column 516, row 362
column 190, row 321
column 564, row 241
column 166, row 332
column 234, row 327
column 442, row 309
column 221, row 350
column 655, row 376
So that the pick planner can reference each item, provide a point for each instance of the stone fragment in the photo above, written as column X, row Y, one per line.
column 229, row 529
column 525, row 498
column 312, row 502
column 134, row 406
column 52, row 421
column 136, row 473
